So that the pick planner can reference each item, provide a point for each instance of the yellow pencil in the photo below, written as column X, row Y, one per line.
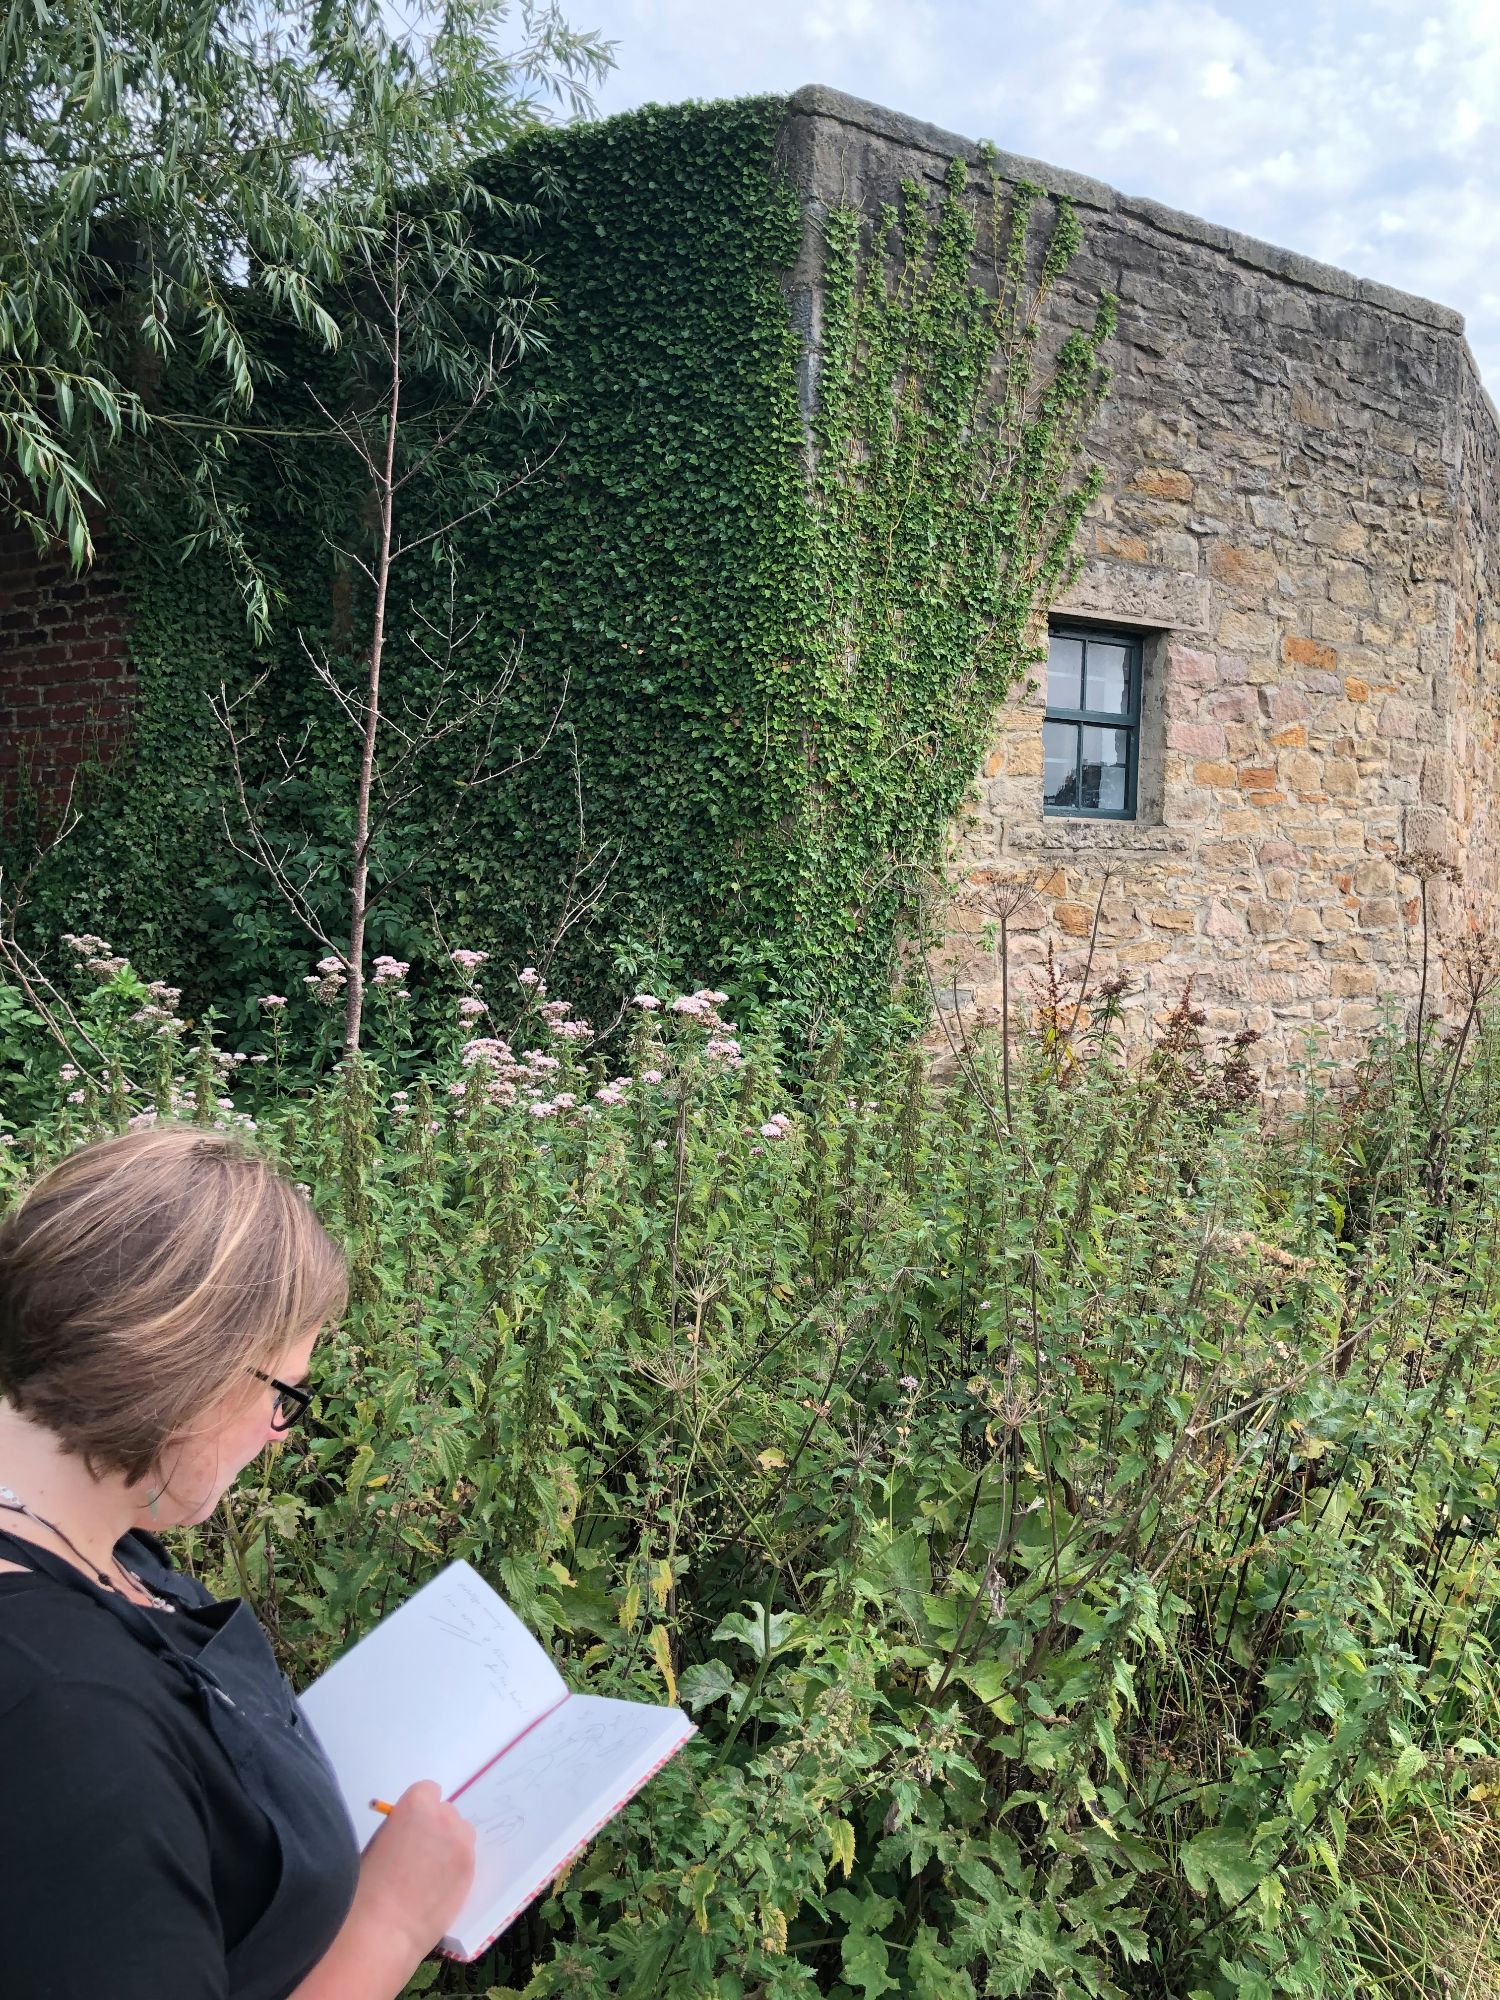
column 382, row 1805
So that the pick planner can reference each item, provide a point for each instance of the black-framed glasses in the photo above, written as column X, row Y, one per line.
column 291, row 1402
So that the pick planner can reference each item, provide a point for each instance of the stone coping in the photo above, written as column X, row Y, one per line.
column 817, row 100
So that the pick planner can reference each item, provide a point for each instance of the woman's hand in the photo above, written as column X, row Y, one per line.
column 416, row 1871
column 412, row 1878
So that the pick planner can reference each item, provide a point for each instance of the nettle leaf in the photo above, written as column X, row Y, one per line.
column 930, row 1975
column 1224, row 1858
column 701, row 1685
column 993, row 1681
column 761, row 1634
column 866, row 1963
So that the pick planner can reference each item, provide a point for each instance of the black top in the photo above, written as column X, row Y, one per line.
column 128, row 1842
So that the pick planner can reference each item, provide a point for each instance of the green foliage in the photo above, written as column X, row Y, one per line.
column 754, row 662
column 1073, row 1531
column 182, row 184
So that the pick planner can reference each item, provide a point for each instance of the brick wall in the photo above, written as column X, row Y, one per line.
column 66, row 684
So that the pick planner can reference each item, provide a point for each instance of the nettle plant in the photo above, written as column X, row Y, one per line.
column 1068, row 1510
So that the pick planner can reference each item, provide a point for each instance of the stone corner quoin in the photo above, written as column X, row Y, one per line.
column 1298, row 522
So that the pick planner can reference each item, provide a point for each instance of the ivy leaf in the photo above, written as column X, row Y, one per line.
column 1224, row 1858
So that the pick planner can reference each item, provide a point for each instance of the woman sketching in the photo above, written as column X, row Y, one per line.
column 169, row 1827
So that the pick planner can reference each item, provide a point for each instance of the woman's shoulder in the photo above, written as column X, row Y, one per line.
column 48, row 1631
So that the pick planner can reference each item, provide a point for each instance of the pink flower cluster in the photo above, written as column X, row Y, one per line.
column 160, row 1010
column 469, row 961
column 325, row 988
column 390, row 972
column 777, row 1125
column 271, row 1001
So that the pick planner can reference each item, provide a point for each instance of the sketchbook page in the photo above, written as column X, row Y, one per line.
column 548, row 1795
column 437, row 1690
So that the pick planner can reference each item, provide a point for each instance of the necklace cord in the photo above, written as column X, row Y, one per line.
column 12, row 1502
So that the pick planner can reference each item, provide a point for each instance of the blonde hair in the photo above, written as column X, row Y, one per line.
column 142, row 1276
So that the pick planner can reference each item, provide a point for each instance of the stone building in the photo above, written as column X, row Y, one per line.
column 1272, row 706
column 1287, row 613
column 1286, row 620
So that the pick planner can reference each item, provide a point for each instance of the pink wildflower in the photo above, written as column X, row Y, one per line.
column 469, row 961
column 471, row 1007
column 648, row 1002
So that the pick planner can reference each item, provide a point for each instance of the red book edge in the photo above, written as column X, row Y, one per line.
column 572, row 1855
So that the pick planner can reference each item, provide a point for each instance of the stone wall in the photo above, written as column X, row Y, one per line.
column 1473, row 826
column 1299, row 485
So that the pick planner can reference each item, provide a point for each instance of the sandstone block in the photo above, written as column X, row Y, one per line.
column 1213, row 771
column 1232, row 704
column 1398, row 718
column 1379, row 913
column 1124, row 548
column 1355, row 689
column 1340, row 776
column 1166, row 919
column 1298, row 652
column 1301, row 771
column 1349, row 982
column 1196, row 669
column 1256, row 777
column 1023, row 756
column 1294, row 738
column 1196, row 739
column 1374, row 878
column 1281, row 705
column 1077, row 919
column 1162, row 483
column 1228, row 562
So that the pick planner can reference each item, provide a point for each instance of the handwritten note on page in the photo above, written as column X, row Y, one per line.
column 453, row 1687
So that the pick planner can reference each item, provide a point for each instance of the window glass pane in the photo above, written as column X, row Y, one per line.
column 1064, row 672
column 1108, row 680
column 1060, row 761
column 1106, row 755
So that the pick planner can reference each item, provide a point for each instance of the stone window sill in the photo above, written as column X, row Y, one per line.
column 1088, row 836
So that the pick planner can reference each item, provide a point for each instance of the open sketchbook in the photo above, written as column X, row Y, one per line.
column 453, row 1687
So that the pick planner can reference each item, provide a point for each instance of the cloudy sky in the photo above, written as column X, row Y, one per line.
column 1364, row 132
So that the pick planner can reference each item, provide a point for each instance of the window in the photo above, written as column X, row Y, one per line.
column 1090, row 737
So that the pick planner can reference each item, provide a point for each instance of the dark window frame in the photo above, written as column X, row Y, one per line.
column 1128, row 720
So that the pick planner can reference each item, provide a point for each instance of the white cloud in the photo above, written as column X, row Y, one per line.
column 1359, row 131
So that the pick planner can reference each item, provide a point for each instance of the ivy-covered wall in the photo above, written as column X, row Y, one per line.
column 750, row 660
